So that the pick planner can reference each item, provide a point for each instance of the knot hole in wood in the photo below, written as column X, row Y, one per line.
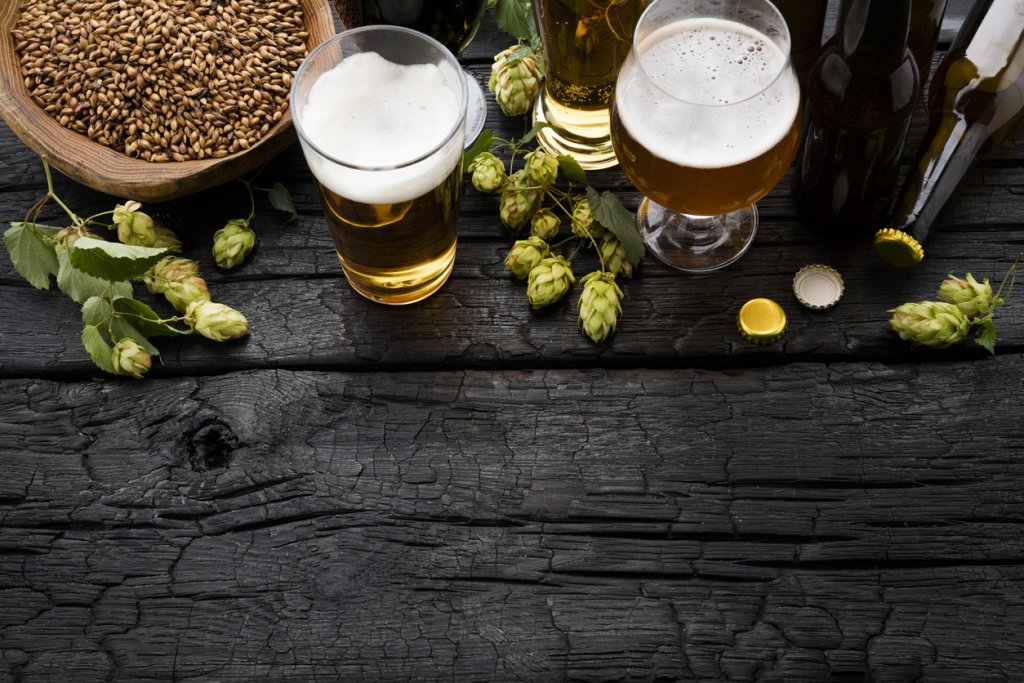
column 210, row 445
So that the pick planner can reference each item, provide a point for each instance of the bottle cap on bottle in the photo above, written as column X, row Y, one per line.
column 818, row 287
column 898, row 248
column 761, row 321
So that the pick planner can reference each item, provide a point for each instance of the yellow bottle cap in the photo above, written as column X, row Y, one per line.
column 817, row 286
column 761, row 321
column 898, row 248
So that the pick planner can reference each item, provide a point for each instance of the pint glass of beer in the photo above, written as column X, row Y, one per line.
column 380, row 112
column 584, row 46
column 705, row 122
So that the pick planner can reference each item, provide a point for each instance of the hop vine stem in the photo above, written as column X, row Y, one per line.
column 1011, row 276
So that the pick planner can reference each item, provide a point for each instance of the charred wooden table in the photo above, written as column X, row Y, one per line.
column 466, row 489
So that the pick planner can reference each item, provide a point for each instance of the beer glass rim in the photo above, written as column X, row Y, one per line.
column 385, row 28
column 786, row 64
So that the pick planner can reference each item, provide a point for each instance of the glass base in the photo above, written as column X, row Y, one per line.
column 582, row 134
column 696, row 244
column 476, row 109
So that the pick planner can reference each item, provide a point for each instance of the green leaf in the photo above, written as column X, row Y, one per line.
column 571, row 169
column 81, row 286
column 111, row 260
column 281, row 199
column 986, row 338
column 99, row 350
column 33, row 258
column 609, row 212
column 532, row 133
column 514, row 18
column 145, row 319
column 97, row 310
column 482, row 144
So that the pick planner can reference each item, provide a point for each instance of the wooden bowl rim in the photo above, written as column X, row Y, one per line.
column 112, row 172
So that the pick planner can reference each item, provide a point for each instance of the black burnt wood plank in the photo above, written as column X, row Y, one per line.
column 794, row 523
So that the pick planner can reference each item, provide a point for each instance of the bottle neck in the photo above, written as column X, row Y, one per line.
column 878, row 28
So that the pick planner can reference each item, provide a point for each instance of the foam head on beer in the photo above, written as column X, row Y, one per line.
column 705, row 64
column 375, row 117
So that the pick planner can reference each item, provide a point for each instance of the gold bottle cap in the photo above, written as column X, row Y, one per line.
column 898, row 248
column 817, row 286
column 761, row 321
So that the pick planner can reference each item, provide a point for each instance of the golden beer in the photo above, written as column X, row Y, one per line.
column 585, row 43
column 717, row 148
column 380, row 113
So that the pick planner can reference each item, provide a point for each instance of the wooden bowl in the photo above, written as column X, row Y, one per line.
column 107, row 170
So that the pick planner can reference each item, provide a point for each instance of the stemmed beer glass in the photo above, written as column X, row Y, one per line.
column 705, row 122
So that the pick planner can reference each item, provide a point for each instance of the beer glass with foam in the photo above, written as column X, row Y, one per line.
column 380, row 112
column 705, row 122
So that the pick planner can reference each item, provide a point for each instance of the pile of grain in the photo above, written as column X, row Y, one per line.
column 162, row 80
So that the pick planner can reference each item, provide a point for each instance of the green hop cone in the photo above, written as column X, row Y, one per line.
column 488, row 172
column 216, row 321
column 133, row 226
column 515, row 81
column 613, row 255
column 973, row 298
column 545, row 224
column 165, row 238
column 932, row 323
column 583, row 224
column 599, row 305
column 233, row 242
column 549, row 281
column 190, row 290
column 169, row 269
column 541, row 168
column 130, row 359
column 66, row 238
column 525, row 255
column 519, row 201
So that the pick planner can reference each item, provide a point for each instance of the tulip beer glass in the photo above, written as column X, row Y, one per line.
column 380, row 112
column 584, row 46
column 705, row 122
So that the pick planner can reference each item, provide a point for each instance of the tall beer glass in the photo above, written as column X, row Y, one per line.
column 453, row 23
column 705, row 122
column 585, row 42
column 380, row 112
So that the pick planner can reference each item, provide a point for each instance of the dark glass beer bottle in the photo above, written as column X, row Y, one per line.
column 860, row 95
column 806, row 19
column 925, row 22
column 976, row 99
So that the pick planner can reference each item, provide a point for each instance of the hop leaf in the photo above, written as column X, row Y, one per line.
column 488, row 172
column 515, row 80
column 549, row 281
column 973, row 298
column 599, row 305
column 216, row 321
column 130, row 359
column 525, row 255
column 541, row 168
column 233, row 242
column 937, row 324
column 519, row 201
column 545, row 224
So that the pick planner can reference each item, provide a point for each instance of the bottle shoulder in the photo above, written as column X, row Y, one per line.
column 863, row 92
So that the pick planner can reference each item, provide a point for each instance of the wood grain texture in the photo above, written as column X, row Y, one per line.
column 107, row 170
column 806, row 523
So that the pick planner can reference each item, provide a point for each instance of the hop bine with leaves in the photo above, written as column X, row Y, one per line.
column 532, row 196
column 98, row 274
column 965, row 305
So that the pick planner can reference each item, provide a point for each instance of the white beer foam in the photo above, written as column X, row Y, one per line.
column 367, row 111
column 706, row 62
